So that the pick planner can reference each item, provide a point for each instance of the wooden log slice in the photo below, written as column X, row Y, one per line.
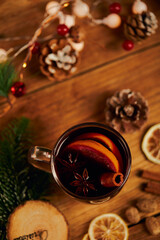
column 37, row 220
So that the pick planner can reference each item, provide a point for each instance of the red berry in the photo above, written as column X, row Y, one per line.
column 35, row 48
column 62, row 29
column 18, row 89
column 115, row 7
column 128, row 45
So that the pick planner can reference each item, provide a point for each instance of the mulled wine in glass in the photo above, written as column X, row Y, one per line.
column 91, row 162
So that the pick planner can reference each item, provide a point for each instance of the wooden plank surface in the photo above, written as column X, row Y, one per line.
column 53, row 108
column 102, row 45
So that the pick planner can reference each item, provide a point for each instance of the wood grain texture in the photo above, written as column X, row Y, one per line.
column 53, row 108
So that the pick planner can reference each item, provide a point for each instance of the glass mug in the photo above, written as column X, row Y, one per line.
column 85, row 160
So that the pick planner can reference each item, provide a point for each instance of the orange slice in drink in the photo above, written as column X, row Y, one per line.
column 151, row 144
column 105, row 141
column 96, row 151
column 108, row 227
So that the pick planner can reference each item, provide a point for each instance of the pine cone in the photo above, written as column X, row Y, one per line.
column 58, row 59
column 140, row 26
column 126, row 111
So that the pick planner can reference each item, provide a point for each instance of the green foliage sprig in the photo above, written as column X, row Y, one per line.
column 7, row 77
column 19, row 181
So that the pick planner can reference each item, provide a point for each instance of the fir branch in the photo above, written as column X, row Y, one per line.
column 19, row 181
column 2, row 231
column 7, row 76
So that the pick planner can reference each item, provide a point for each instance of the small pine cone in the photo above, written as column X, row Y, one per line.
column 140, row 26
column 126, row 111
column 58, row 59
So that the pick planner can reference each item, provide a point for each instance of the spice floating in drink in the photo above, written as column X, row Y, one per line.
column 82, row 183
column 110, row 179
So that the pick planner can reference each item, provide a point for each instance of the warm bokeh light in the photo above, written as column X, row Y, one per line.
column 24, row 65
column 66, row 4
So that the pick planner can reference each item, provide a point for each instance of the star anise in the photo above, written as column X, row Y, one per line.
column 72, row 163
column 82, row 183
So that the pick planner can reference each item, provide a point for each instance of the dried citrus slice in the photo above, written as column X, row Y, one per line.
column 86, row 237
column 108, row 226
column 151, row 144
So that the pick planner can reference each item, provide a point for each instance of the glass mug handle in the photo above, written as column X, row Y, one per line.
column 40, row 158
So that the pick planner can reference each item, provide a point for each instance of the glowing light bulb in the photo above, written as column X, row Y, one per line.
column 24, row 65
column 66, row 4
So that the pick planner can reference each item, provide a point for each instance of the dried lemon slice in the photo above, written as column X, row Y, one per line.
column 108, row 226
column 86, row 237
column 151, row 144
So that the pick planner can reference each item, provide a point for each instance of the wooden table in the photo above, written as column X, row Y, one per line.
column 105, row 68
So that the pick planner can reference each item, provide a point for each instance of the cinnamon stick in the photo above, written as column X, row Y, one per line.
column 151, row 175
column 153, row 187
column 110, row 179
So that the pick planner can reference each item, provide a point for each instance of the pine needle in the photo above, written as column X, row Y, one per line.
column 19, row 181
column 7, row 76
